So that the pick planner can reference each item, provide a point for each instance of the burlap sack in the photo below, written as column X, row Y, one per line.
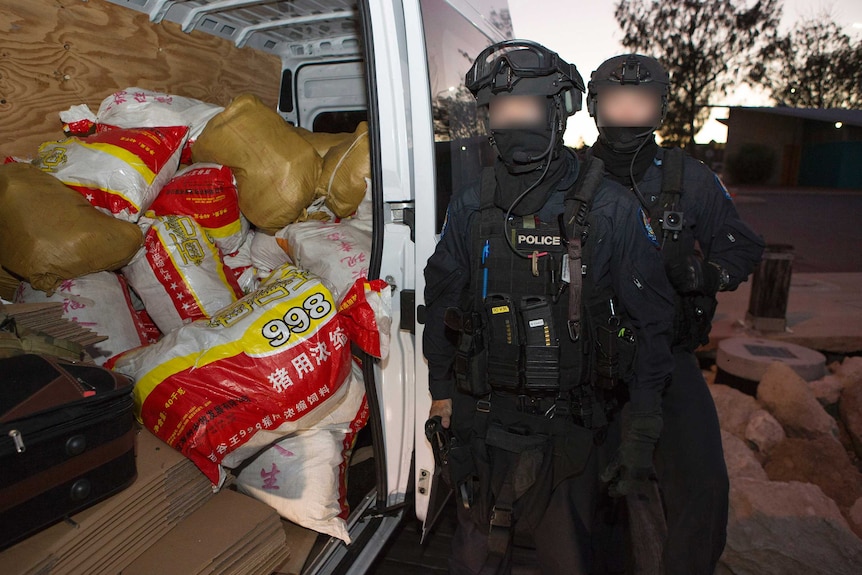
column 345, row 168
column 275, row 168
column 322, row 141
column 50, row 233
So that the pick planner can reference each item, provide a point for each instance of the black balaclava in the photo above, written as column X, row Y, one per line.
column 617, row 146
column 627, row 151
column 522, row 157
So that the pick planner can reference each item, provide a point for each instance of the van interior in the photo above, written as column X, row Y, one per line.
column 324, row 65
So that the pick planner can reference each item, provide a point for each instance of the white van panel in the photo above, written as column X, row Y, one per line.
column 424, row 205
column 396, row 382
column 335, row 87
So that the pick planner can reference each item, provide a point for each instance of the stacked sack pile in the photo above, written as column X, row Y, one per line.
column 224, row 253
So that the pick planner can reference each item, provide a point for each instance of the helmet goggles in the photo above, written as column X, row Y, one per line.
column 500, row 66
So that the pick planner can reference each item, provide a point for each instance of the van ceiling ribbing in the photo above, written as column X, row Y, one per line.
column 283, row 27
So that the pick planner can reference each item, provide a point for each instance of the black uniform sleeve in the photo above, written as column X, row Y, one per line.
column 723, row 237
column 447, row 275
column 628, row 254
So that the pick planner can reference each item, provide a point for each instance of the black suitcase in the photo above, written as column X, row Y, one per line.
column 67, row 440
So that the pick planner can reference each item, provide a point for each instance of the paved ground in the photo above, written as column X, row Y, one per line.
column 823, row 226
column 824, row 312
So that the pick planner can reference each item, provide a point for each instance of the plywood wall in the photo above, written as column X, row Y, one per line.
column 58, row 53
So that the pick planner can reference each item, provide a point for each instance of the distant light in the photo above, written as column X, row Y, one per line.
column 839, row 125
column 452, row 88
column 792, row 90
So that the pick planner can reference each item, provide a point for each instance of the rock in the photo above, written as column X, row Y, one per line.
column 854, row 517
column 734, row 408
column 820, row 461
column 788, row 398
column 763, row 432
column 850, row 370
column 850, row 410
column 740, row 460
column 847, row 441
column 827, row 390
column 779, row 528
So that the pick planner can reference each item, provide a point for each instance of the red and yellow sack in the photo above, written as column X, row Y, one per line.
column 275, row 361
column 119, row 171
column 179, row 275
column 207, row 193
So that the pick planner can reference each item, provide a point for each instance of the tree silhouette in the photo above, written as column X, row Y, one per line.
column 706, row 45
column 816, row 65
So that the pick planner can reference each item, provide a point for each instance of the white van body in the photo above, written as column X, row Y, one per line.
column 388, row 59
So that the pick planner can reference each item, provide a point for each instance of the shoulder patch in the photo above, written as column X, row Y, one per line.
column 722, row 187
column 647, row 228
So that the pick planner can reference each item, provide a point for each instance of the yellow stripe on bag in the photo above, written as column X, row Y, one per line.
column 220, row 268
column 170, row 367
column 230, row 229
column 130, row 158
column 257, row 340
column 133, row 207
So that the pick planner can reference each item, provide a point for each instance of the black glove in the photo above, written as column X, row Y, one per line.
column 690, row 274
column 631, row 470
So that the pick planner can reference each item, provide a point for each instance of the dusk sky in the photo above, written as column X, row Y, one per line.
column 586, row 33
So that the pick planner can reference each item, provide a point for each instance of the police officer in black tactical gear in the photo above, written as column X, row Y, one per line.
column 547, row 308
column 706, row 249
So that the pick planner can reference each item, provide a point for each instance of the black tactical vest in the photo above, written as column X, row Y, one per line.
column 524, row 300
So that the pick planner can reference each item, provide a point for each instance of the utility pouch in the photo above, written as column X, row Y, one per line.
column 471, row 357
column 541, row 346
column 504, row 343
column 616, row 348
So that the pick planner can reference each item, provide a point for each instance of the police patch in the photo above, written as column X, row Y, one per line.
column 650, row 234
column 722, row 187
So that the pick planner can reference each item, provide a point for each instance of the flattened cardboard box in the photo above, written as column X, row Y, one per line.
column 110, row 535
column 231, row 534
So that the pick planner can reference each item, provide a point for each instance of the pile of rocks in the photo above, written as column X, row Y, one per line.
column 793, row 455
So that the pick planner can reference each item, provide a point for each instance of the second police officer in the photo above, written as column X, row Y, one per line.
column 706, row 249
column 546, row 280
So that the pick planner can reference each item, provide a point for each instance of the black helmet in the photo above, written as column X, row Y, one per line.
column 628, row 70
column 521, row 67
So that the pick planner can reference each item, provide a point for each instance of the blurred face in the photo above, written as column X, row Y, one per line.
column 516, row 111
column 628, row 106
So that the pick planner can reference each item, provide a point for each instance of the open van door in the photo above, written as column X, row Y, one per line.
column 452, row 33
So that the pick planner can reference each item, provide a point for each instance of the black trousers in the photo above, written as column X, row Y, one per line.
column 692, row 475
column 564, row 538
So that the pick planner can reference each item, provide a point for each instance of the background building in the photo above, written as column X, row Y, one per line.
column 811, row 147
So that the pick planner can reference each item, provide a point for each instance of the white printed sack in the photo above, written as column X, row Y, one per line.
column 338, row 253
column 303, row 476
column 276, row 361
column 135, row 107
column 179, row 275
column 100, row 302
column 267, row 254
